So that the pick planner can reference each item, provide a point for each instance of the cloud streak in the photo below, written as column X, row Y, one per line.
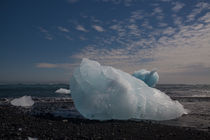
column 81, row 28
column 199, row 7
column 46, row 33
column 98, row 28
column 56, row 65
column 46, row 65
column 63, row 29
column 178, row 6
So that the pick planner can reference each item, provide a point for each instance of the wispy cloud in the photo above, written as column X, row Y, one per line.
column 62, row 29
column 68, row 37
column 199, row 7
column 95, row 20
column 178, row 6
column 177, row 20
column 176, row 50
column 172, row 47
column 205, row 18
column 158, row 13
column 46, row 65
column 134, row 30
column 169, row 31
column 98, row 28
column 137, row 15
column 157, row 10
column 47, row 35
column 81, row 28
column 146, row 24
column 162, row 24
column 54, row 65
column 82, row 38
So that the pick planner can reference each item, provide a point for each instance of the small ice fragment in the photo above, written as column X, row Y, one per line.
column 150, row 78
column 25, row 101
column 62, row 91
column 65, row 121
column 30, row 138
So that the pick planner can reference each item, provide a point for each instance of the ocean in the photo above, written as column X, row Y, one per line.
column 194, row 98
column 34, row 90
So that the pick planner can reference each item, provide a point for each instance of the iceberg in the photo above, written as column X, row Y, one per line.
column 104, row 93
column 63, row 91
column 25, row 101
column 150, row 78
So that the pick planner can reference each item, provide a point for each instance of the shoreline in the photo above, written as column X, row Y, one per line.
column 15, row 124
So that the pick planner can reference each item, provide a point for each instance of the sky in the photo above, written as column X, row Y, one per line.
column 44, row 40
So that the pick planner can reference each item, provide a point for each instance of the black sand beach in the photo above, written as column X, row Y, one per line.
column 17, row 124
column 42, row 120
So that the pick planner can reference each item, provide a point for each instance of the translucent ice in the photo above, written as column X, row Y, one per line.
column 24, row 101
column 103, row 93
column 150, row 78
column 30, row 138
column 62, row 91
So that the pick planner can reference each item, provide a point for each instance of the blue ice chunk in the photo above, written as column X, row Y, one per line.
column 104, row 93
column 150, row 78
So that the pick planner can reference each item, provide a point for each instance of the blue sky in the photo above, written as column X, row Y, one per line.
column 44, row 40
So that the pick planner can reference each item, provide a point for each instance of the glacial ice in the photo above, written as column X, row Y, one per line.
column 63, row 91
column 103, row 93
column 150, row 78
column 25, row 101
column 30, row 138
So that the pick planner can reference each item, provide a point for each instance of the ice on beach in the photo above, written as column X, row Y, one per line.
column 103, row 93
column 30, row 138
column 25, row 101
column 149, row 77
column 63, row 91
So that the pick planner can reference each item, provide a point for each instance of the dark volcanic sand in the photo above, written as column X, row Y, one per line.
column 14, row 124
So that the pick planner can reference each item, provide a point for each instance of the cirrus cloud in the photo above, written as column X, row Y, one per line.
column 98, row 28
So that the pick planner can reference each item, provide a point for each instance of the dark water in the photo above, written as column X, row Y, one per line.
column 48, row 90
column 34, row 90
column 194, row 98
column 186, row 90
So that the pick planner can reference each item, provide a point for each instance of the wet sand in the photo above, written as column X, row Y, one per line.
column 17, row 124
